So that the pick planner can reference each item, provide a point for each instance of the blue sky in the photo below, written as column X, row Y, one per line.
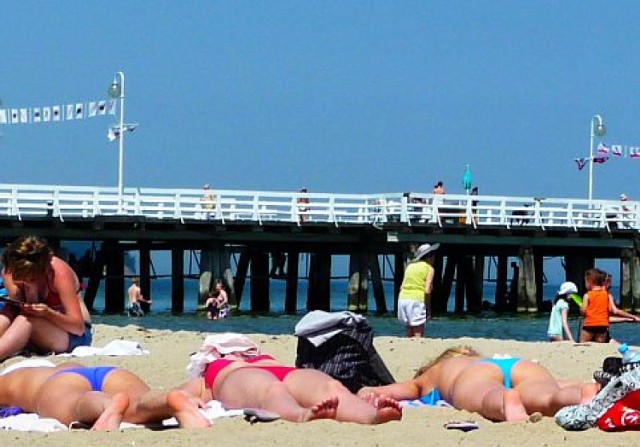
column 351, row 97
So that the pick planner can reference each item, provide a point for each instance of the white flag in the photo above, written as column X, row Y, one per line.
column 15, row 118
column 36, row 115
column 3, row 116
column 57, row 113
column 79, row 111
column 70, row 111
column 102, row 107
column 24, row 115
column 46, row 114
column 113, row 134
column 111, row 108
column 93, row 109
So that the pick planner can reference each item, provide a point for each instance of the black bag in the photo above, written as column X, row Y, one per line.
column 348, row 356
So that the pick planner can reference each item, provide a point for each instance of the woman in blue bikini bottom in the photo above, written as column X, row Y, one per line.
column 507, row 389
column 100, row 397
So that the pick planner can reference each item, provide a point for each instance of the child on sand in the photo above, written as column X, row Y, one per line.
column 508, row 389
column 100, row 397
column 558, row 319
column 598, row 307
column 230, row 368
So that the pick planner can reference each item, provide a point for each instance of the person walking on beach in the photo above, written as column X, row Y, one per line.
column 414, row 301
column 100, row 397
column 598, row 307
column 230, row 368
column 50, row 314
column 135, row 298
column 558, row 321
column 505, row 389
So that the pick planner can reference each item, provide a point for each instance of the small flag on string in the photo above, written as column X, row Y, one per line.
column 57, row 113
column 3, row 116
column 79, row 111
column 36, row 115
column 15, row 119
column 634, row 152
column 603, row 149
column 102, row 107
column 24, row 115
column 111, row 107
column 582, row 162
column 46, row 114
column 600, row 159
column 70, row 111
column 93, row 109
column 616, row 149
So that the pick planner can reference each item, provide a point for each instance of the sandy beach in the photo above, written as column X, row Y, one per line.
column 169, row 351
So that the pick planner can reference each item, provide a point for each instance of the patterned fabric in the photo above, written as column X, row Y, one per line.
column 584, row 416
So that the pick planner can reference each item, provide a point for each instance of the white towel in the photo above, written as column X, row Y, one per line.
column 216, row 344
column 113, row 348
column 31, row 422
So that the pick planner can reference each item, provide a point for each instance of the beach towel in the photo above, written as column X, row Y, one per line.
column 214, row 346
column 113, row 348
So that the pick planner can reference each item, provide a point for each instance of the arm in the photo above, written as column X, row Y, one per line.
column 428, row 287
column 223, row 300
column 65, row 283
column 565, row 325
column 613, row 310
column 398, row 391
column 585, row 304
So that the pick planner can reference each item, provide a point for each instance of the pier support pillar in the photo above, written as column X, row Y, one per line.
column 145, row 274
column 177, row 280
column 630, row 280
column 478, row 275
column 358, row 282
column 399, row 263
column 526, row 281
column 291, row 296
column 260, row 301
column 376, row 282
column 538, row 261
column 241, row 274
column 319, row 292
column 501, row 283
column 95, row 275
column 215, row 262
column 575, row 268
column 114, row 285
column 441, row 301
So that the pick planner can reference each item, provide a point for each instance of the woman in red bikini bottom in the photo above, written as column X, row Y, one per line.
column 240, row 380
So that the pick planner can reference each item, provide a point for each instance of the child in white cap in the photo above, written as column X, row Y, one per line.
column 558, row 320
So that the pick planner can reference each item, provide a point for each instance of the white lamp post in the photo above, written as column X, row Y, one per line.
column 116, row 91
column 598, row 129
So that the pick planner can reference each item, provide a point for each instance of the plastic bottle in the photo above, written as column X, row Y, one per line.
column 628, row 355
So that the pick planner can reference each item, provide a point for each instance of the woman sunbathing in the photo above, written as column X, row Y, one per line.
column 509, row 389
column 229, row 368
column 100, row 397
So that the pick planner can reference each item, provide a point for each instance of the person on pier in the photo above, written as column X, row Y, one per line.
column 414, row 302
column 47, row 312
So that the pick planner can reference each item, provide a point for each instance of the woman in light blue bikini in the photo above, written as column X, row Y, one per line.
column 509, row 389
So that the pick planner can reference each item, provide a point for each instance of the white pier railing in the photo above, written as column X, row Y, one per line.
column 260, row 207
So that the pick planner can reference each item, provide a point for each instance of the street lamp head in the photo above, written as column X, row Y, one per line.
column 115, row 89
column 600, row 130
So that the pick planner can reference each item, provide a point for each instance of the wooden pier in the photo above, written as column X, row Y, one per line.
column 260, row 228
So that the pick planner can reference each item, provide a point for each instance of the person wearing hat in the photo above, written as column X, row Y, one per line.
column 558, row 319
column 415, row 293
column 208, row 202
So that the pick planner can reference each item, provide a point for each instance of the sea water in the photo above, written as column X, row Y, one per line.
column 488, row 324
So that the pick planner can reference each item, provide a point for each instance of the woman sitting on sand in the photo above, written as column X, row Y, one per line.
column 100, row 397
column 230, row 368
column 508, row 389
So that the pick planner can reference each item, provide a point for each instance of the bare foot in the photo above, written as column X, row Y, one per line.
column 113, row 413
column 387, row 409
column 326, row 409
column 513, row 408
column 186, row 410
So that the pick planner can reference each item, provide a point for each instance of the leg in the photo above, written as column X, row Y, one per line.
column 48, row 337
column 15, row 335
column 415, row 331
column 309, row 386
column 250, row 387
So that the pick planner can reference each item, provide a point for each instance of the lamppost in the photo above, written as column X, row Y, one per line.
column 598, row 129
column 116, row 91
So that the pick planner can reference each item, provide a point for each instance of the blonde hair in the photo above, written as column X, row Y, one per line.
column 449, row 353
column 27, row 258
